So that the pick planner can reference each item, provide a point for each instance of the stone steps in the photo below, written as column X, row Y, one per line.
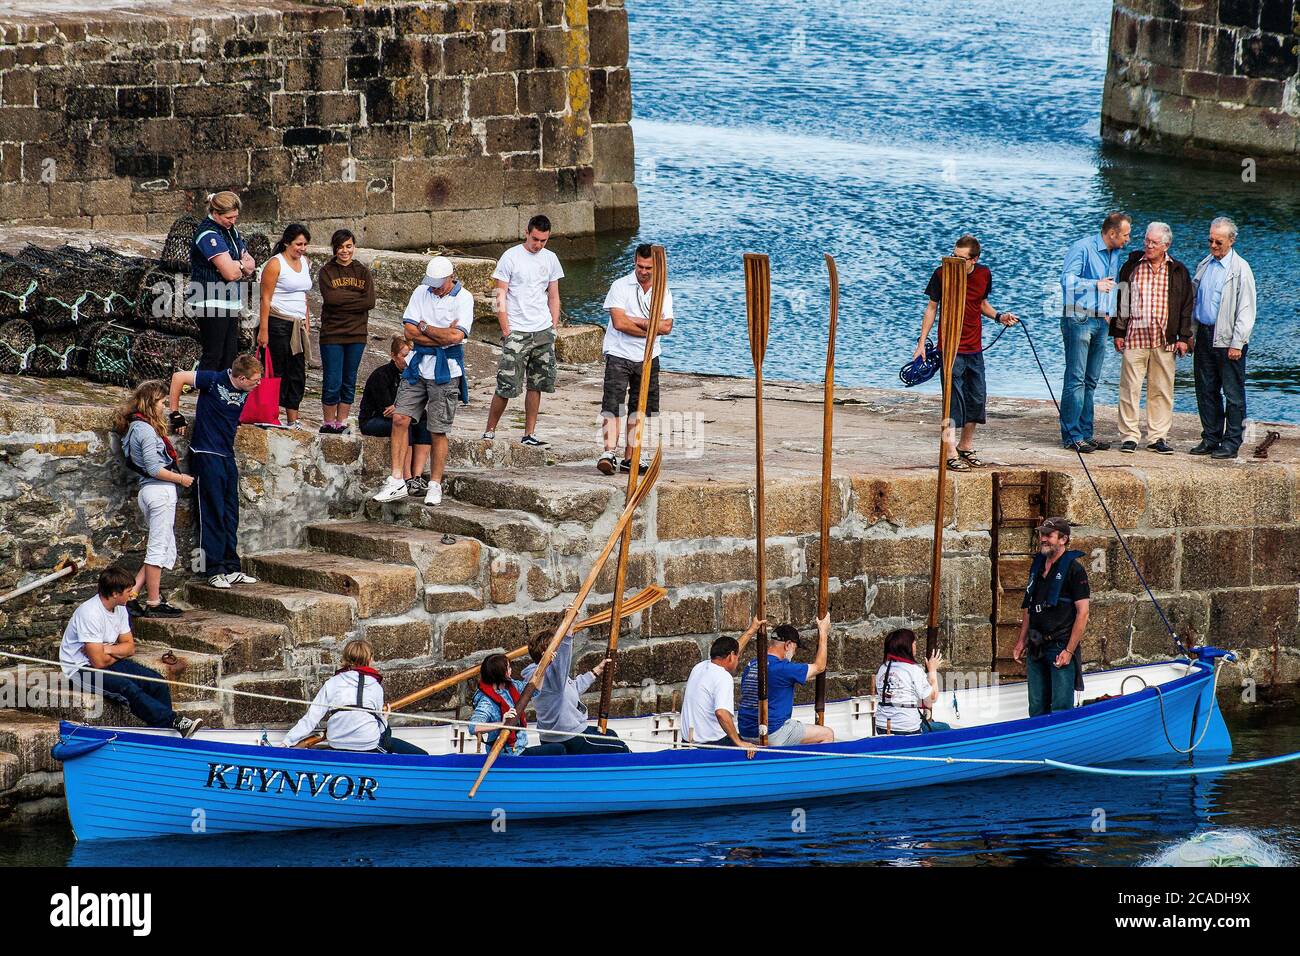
column 379, row 589
column 508, row 530
column 242, row 643
column 27, row 737
column 308, row 615
column 559, row 494
column 438, row 563
column 200, row 668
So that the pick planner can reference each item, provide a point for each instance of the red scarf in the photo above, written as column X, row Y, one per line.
column 362, row 670
column 491, row 694
column 900, row 660
column 171, row 451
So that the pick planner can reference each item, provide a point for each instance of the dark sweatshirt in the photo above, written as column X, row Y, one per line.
column 349, row 295
column 380, row 391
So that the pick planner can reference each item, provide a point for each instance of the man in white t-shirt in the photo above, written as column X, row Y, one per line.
column 436, row 322
column 528, row 308
column 97, row 645
column 709, row 702
column 628, row 304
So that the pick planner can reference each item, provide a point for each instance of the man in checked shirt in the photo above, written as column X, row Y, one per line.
column 1152, row 327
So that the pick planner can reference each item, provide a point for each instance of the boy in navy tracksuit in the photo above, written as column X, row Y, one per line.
column 212, row 461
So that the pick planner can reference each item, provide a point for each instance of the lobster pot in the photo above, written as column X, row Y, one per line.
column 84, row 336
column 186, row 354
column 54, row 356
column 161, row 303
column 125, row 275
column 110, row 359
column 155, row 355
column 176, row 247
column 68, row 301
column 17, row 340
column 259, row 247
column 20, row 289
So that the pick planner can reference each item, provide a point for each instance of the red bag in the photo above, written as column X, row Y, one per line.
column 262, row 407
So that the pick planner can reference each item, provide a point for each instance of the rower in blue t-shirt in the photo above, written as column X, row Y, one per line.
column 212, row 461
column 782, row 674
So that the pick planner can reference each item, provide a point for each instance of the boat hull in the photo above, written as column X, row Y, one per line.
column 124, row 784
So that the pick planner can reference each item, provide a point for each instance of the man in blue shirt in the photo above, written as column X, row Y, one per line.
column 1088, row 284
column 212, row 461
column 782, row 674
column 1225, row 316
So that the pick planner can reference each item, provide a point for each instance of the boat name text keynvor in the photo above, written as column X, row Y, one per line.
column 228, row 776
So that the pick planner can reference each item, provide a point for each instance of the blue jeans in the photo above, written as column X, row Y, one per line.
column 380, row 427
column 1085, row 341
column 149, row 701
column 339, row 365
column 1051, row 688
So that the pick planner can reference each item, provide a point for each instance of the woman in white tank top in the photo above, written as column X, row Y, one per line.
column 285, row 323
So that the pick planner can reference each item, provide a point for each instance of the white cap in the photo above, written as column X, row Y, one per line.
column 438, row 269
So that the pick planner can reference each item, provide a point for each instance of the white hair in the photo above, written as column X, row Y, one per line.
column 1223, row 222
column 1162, row 230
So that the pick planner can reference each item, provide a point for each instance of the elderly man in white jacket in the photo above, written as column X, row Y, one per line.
column 1225, row 316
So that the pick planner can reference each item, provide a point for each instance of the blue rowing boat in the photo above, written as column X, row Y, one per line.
column 135, row 782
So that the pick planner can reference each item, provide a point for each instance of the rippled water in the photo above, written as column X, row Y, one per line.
column 879, row 132
column 1042, row 819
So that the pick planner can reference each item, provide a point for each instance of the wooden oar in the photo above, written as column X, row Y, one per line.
column 634, row 605
column 658, row 287
column 828, row 414
column 535, row 682
column 951, row 312
column 758, row 302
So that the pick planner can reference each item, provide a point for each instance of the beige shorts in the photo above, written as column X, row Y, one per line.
column 790, row 734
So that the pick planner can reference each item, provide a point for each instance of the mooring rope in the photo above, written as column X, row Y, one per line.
column 682, row 745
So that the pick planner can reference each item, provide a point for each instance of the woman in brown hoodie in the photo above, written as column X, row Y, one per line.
column 348, row 291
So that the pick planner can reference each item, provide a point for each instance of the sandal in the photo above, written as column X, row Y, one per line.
column 958, row 464
column 971, row 458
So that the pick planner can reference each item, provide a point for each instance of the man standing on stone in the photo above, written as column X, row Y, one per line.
column 1088, row 284
column 437, row 322
column 1052, row 623
column 528, row 308
column 969, row 391
column 1152, row 327
column 1225, row 315
column 628, row 303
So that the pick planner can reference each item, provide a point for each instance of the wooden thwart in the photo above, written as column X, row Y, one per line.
column 531, row 688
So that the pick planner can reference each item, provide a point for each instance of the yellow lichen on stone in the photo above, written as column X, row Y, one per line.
column 579, row 99
column 575, row 13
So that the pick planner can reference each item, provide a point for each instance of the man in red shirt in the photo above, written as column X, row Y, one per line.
column 968, row 387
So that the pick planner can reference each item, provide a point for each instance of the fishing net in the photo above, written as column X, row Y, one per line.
column 19, row 288
column 187, row 353
column 1222, row 848
column 176, row 247
column 119, row 277
column 54, row 356
column 64, row 293
column 84, row 335
column 162, row 303
column 155, row 355
column 17, row 340
column 110, row 355
column 259, row 247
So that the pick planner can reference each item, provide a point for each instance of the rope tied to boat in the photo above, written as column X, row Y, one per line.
column 1046, row 763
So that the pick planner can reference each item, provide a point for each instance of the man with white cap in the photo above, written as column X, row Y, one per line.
column 437, row 321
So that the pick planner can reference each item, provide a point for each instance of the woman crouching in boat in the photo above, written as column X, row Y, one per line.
column 906, row 690
column 356, row 684
column 494, row 703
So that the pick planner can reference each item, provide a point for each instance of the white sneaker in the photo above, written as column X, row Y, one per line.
column 489, row 436
column 220, row 581
column 434, row 495
column 394, row 488
column 239, row 577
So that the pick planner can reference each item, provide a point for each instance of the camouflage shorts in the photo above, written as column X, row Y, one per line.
column 527, row 358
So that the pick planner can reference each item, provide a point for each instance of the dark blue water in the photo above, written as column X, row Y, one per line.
column 1043, row 819
column 880, row 131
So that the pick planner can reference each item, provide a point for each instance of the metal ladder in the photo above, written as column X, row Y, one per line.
column 1019, row 506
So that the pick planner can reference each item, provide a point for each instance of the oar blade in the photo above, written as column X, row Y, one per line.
column 758, row 303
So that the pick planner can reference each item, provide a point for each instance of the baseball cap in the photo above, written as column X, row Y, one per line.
column 1060, row 525
column 438, row 269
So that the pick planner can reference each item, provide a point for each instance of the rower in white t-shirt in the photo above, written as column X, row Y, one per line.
column 628, row 304
column 528, row 308
column 905, row 688
column 709, row 702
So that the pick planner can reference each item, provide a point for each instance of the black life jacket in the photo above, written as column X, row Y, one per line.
column 173, row 461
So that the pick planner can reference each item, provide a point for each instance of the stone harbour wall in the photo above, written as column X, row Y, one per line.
column 1211, row 79
column 412, row 123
